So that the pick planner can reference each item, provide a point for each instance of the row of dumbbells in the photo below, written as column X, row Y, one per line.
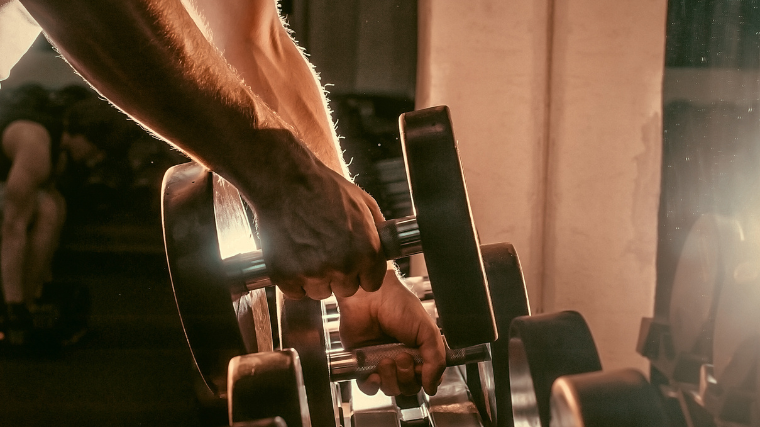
column 704, row 345
column 549, row 375
column 507, row 368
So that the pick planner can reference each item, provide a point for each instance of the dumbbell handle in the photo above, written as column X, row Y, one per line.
column 398, row 238
column 358, row 363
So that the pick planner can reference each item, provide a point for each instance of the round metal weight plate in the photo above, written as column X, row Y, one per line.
column 303, row 329
column 706, row 261
column 736, row 338
column 543, row 348
column 449, row 240
column 621, row 398
column 206, row 307
column 737, row 318
column 489, row 381
column 267, row 385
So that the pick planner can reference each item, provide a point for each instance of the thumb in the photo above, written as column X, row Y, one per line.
column 433, row 354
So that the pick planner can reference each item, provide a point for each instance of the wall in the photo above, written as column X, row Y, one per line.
column 487, row 60
column 557, row 109
column 361, row 46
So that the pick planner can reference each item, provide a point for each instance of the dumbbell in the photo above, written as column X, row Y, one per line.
column 707, row 339
column 621, row 398
column 543, row 348
column 304, row 329
column 488, row 382
column 202, row 280
column 707, row 263
column 269, row 384
column 729, row 389
column 557, row 380
column 194, row 201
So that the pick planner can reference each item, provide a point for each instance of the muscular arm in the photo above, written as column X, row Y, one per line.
column 150, row 59
column 28, row 144
column 292, row 90
column 274, row 142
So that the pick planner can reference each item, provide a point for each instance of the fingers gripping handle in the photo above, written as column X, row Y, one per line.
column 360, row 362
column 398, row 238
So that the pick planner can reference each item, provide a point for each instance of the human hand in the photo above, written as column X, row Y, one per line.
column 320, row 237
column 393, row 313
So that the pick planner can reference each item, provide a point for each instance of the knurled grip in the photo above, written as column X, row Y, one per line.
column 361, row 362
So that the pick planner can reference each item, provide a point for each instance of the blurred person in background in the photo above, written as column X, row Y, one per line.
column 48, row 138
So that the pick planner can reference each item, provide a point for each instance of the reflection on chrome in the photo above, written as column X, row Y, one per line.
column 524, row 405
column 485, row 371
column 232, row 226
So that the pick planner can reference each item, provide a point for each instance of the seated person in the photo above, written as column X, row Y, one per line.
column 96, row 170
column 249, row 107
column 37, row 145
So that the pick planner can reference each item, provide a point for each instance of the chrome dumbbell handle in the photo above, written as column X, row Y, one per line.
column 398, row 237
column 357, row 363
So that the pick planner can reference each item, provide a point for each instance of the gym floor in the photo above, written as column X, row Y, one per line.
column 133, row 368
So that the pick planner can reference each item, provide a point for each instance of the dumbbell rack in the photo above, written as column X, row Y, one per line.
column 199, row 209
column 543, row 369
column 705, row 352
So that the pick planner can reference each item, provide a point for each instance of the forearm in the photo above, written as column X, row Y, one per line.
column 159, row 69
column 278, row 72
column 150, row 59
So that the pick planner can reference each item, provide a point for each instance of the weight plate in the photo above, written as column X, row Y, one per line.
column 706, row 260
column 235, row 237
column 267, row 385
column 211, row 317
column 480, row 383
column 543, row 348
column 489, row 381
column 302, row 323
column 736, row 337
column 737, row 316
column 621, row 398
column 449, row 240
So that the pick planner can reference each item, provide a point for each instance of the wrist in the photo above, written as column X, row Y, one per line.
column 272, row 165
